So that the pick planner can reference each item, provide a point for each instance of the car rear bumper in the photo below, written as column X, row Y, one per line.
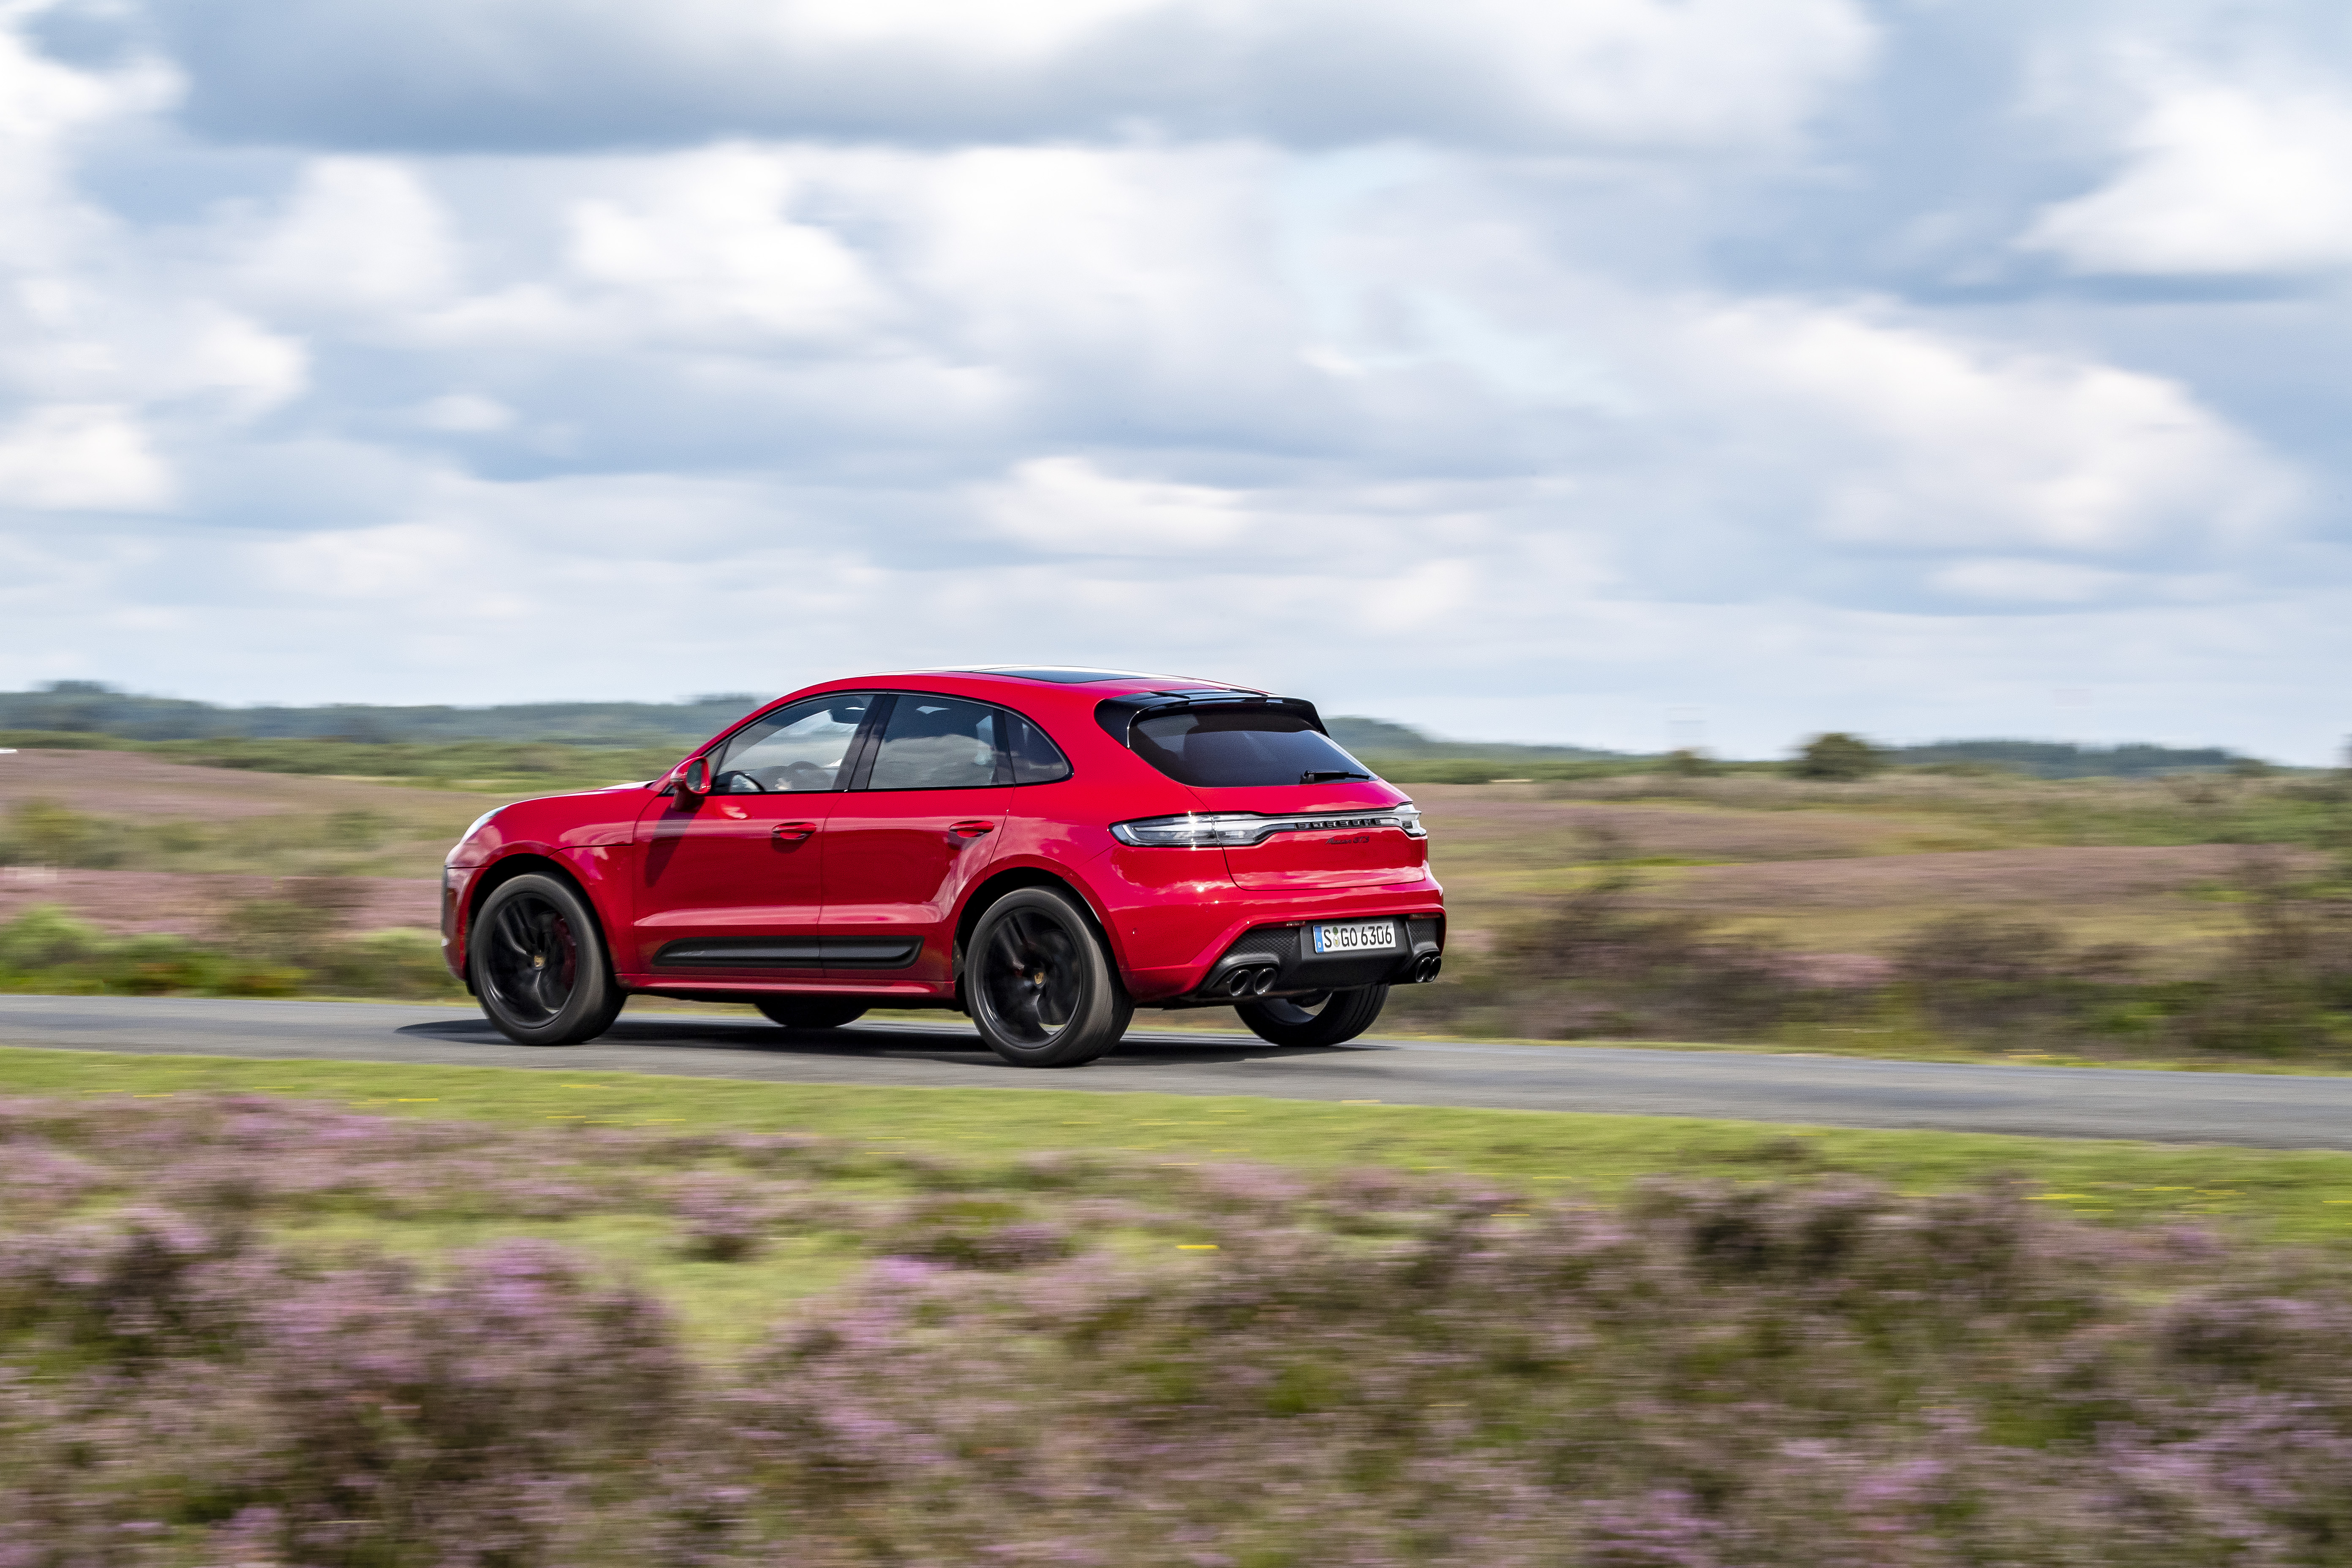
column 1172, row 951
column 1281, row 961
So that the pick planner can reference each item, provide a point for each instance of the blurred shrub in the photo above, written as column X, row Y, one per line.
column 1596, row 964
column 44, row 833
column 722, row 1220
column 1978, row 975
column 272, row 929
column 1839, row 757
column 403, row 963
column 1599, row 966
column 975, row 1232
column 2283, row 987
column 277, row 947
column 359, row 829
column 44, row 937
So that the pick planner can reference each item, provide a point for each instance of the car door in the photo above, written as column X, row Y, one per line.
column 731, row 885
column 922, row 821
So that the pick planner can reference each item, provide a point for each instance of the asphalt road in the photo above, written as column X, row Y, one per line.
column 2274, row 1111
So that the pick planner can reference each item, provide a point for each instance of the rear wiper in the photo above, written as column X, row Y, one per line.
column 1310, row 776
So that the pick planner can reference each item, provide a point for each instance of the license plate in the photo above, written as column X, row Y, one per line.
column 1358, row 936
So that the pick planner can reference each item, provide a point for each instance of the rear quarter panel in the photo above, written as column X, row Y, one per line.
column 1170, row 913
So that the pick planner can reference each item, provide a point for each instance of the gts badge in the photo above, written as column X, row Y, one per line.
column 1350, row 838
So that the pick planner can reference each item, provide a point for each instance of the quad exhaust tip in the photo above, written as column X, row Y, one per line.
column 1426, row 970
column 1251, row 980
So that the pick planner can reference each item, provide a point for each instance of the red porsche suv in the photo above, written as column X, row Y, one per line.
column 1046, row 850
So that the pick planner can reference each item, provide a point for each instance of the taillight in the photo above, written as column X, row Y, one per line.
column 1191, row 831
column 1226, row 829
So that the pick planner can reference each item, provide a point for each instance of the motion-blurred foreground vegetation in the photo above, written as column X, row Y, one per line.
column 252, row 1330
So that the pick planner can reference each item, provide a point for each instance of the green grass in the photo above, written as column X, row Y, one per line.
column 720, row 1307
column 2301, row 1196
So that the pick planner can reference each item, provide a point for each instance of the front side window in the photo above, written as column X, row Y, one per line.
column 937, row 743
column 1232, row 749
column 798, row 748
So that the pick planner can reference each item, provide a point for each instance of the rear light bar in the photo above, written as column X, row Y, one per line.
column 1209, row 830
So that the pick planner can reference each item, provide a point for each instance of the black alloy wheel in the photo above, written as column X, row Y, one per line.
column 810, row 1012
column 1039, row 983
column 1317, row 1018
column 538, row 965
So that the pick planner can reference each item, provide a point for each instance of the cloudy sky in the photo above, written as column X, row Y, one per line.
column 1617, row 371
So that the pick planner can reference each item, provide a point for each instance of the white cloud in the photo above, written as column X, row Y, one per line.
column 1702, row 72
column 1925, row 440
column 1066, row 504
column 993, row 34
column 82, row 458
column 46, row 108
column 2219, row 177
column 1155, row 260
column 705, row 244
column 210, row 351
column 361, row 233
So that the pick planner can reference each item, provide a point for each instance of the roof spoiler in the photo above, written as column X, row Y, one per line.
column 1117, row 715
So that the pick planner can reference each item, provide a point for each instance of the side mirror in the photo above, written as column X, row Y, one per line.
column 693, row 776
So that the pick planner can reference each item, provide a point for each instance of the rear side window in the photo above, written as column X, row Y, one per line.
column 937, row 742
column 1035, row 759
column 945, row 742
column 1228, row 748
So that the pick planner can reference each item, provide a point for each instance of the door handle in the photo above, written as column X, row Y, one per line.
column 792, row 832
column 972, row 829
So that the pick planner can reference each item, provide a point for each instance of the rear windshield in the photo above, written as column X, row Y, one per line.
column 1226, row 749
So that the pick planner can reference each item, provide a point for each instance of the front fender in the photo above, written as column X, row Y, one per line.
column 598, row 870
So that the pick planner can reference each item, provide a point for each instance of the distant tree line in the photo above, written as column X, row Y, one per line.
column 1838, row 755
column 2059, row 760
column 88, row 707
column 1385, row 738
column 93, row 708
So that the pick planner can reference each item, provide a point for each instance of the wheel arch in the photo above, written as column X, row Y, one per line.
column 524, row 863
column 1011, row 880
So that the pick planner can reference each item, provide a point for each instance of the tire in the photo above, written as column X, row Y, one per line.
column 1039, row 983
column 1325, row 1019
column 537, row 959
column 810, row 1012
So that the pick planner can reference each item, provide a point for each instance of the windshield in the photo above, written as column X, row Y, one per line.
column 1225, row 748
